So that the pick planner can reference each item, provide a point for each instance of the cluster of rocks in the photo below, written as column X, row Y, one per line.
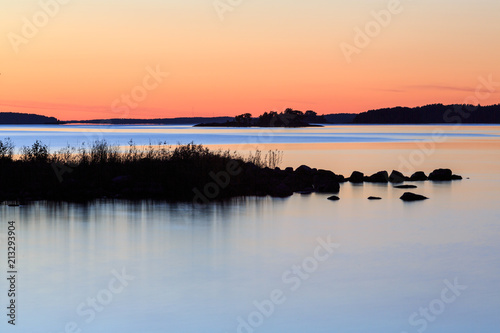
column 284, row 183
column 398, row 177
column 305, row 180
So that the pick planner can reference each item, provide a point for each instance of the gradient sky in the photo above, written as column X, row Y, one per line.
column 264, row 55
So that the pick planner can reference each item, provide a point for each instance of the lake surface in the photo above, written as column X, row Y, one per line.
column 301, row 264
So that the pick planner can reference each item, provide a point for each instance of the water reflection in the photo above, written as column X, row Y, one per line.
column 200, row 268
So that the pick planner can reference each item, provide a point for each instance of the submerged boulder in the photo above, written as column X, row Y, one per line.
column 357, row 177
column 408, row 196
column 396, row 177
column 379, row 177
column 441, row 175
column 405, row 186
column 418, row 176
column 325, row 181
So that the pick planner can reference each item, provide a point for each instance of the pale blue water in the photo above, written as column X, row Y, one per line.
column 57, row 137
column 201, row 268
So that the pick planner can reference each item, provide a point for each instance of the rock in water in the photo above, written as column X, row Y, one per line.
column 418, row 176
column 396, row 177
column 379, row 177
column 405, row 186
column 408, row 196
column 356, row 177
column 334, row 198
column 441, row 175
column 325, row 181
column 304, row 169
column 374, row 198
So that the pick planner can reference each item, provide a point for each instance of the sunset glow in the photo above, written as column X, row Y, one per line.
column 80, row 60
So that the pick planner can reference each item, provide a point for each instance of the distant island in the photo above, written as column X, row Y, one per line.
column 432, row 114
column 12, row 118
column 287, row 118
column 156, row 121
column 335, row 118
column 428, row 114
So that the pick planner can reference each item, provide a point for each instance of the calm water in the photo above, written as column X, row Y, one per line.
column 257, row 264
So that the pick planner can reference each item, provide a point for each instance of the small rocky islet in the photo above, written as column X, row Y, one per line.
column 188, row 173
column 249, row 180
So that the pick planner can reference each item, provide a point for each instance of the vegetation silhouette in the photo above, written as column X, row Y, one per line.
column 102, row 170
column 432, row 114
column 287, row 118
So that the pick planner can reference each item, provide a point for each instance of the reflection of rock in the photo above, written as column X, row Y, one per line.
column 418, row 176
column 379, row 177
column 334, row 198
column 304, row 192
column 357, row 177
column 396, row 177
column 405, row 186
column 374, row 198
column 408, row 196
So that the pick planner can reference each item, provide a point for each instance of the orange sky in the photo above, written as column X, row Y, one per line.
column 87, row 60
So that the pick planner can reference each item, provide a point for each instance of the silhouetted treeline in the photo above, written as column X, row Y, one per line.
column 432, row 114
column 428, row 114
column 287, row 118
column 340, row 118
column 14, row 118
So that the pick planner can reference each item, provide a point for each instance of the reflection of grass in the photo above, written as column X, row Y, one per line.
column 100, row 169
